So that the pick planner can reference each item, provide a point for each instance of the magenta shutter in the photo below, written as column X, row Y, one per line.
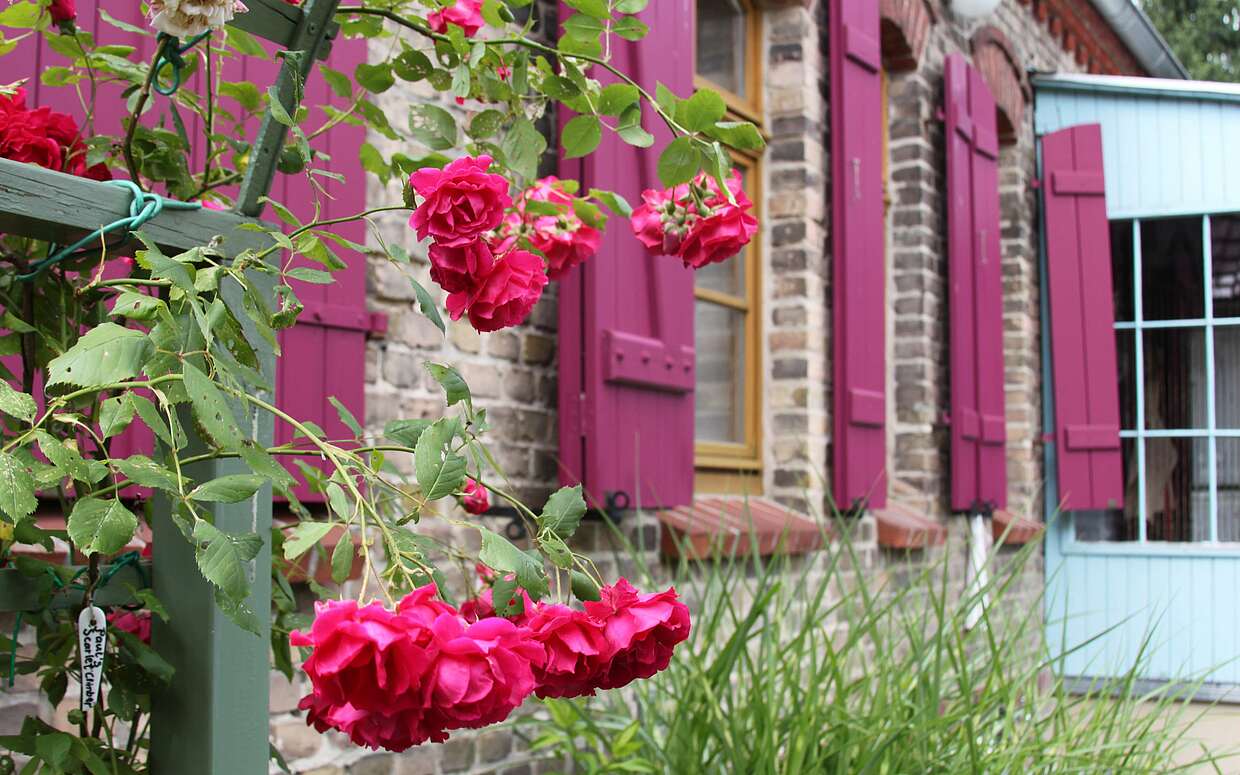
column 1082, row 320
column 324, row 355
column 626, row 316
column 978, row 428
column 859, row 294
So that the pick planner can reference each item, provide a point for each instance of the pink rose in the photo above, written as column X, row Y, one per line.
column 505, row 296
column 367, row 669
column 657, row 223
column 723, row 231
column 460, row 267
column 643, row 630
column 481, row 673
column 136, row 623
column 460, row 203
column 475, row 498
column 719, row 236
column 563, row 238
column 62, row 11
column 466, row 14
column 577, row 648
column 698, row 230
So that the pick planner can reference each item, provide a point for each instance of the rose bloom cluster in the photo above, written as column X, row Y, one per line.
column 562, row 237
column 695, row 221
column 44, row 137
column 395, row 679
column 475, row 254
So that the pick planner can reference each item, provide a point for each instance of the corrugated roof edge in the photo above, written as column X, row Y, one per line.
column 1127, row 84
column 1141, row 37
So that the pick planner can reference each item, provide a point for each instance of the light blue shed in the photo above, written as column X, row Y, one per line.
column 1156, row 582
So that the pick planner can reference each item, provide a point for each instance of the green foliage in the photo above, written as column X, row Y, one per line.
column 796, row 667
column 1204, row 34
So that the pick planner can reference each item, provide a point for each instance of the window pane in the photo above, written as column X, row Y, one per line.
column 1177, row 489
column 1175, row 378
column 1172, row 287
column 1225, row 254
column 719, row 403
column 1229, row 490
column 1121, row 269
column 1126, row 355
column 726, row 277
column 1227, row 377
column 721, row 43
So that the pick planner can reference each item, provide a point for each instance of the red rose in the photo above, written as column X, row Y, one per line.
column 481, row 673
column 722, row 232
column 62, row 11
column 674, row 223
column 657, row 222
column 506, row 294
column 43, row 137
column 466, row 14
column 578, row 651
column 460, row 203
column 136, row 623
column 459, row 268
column 563, row 238
column 643, row 631
column 367, row 669
column 475, row 498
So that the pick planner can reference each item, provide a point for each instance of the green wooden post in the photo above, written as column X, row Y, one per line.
column 310, row 37
column 213, row 718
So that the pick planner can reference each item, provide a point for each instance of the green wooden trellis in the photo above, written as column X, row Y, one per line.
column 214, row 716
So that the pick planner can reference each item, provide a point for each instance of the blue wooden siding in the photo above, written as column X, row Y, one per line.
column 1170, row 148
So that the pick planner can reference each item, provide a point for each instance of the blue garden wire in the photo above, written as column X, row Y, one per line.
column 126, row 560
column 144, row 206
column 171, row 53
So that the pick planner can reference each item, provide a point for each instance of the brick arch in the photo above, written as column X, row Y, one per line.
column 996, row 59
column 905, row 28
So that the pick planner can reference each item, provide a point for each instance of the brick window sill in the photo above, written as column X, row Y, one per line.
column 901, row 526
column 1019, row 530
column 723, row 527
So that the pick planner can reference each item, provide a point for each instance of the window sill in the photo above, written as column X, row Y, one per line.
column 901, row 526
column 1019, row 531
column 737, row 527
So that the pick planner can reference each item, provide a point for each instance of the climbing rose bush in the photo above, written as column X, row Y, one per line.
column 187, row 18
column 466, row 14
column 460, row 203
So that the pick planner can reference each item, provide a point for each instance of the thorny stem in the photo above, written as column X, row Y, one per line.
column 143, row 96
column 396, row 18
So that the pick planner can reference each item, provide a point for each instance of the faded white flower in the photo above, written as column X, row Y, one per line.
column 187, row 18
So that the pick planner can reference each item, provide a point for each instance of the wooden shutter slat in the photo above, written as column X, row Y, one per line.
column 1082, row 335
column 626, row 424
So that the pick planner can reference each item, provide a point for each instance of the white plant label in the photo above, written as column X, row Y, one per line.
column 92, row 643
